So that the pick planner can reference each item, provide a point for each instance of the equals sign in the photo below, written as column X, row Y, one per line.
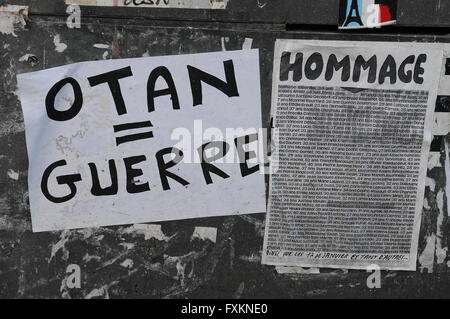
column 135, row 136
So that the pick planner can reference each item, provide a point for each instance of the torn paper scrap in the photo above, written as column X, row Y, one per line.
column 205, row 233
column 181, row 4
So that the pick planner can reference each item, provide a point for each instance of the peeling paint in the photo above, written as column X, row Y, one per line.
column 430, row 183
column 9, row 127
column 11, row 15
column 98, row 292
column 434, row 160
column 61, row 245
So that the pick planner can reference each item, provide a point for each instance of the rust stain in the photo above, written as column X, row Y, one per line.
column 116, row 45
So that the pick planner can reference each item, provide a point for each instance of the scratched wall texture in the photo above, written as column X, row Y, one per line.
column 181, row 259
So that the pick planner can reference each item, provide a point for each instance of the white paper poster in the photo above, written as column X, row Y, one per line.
column 354, row 130
column 143, row 140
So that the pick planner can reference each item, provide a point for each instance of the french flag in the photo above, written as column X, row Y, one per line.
column 387, row 11
column 367, row 13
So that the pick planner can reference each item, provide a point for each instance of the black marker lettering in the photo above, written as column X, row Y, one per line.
column 370, row 64
column 163, row 167
column 70, row 180
column 196, row 76
column 207, row 167
column 418, row 69
column 316, row 60
column 334, row 65
column 388, row 69
column 69, row 114
column 132, row 173
column 163, row 72
column 286, row 67
column 96, row 189
column 245, row 156
column 112, row 78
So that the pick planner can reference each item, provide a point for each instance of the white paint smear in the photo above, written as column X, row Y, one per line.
column 101, row 46
column 296, row 270
column 127, row 263
column 181, row 4
column 25, row 57
column 59, row 46
column 13, row 175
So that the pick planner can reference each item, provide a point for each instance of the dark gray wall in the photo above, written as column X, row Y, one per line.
column 34, row 264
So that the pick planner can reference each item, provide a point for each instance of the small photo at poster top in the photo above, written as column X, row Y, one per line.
column 357, row 14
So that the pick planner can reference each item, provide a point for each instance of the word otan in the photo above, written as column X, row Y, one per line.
column 316, row 65
column 196, row 77
column 112, row 79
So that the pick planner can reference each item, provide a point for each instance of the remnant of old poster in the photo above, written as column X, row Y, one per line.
column 354, row 131
column 142, row 140
column 182, row 4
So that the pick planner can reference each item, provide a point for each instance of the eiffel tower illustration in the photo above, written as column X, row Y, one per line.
column 353, row 14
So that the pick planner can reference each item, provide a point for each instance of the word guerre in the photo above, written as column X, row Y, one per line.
column 167, row 173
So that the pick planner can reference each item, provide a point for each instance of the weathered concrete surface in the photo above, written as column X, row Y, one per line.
column 130, row 261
